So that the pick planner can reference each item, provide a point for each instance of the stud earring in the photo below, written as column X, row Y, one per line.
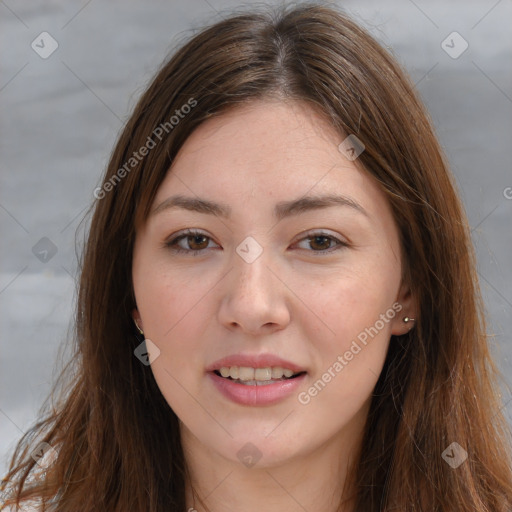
column 407, row 319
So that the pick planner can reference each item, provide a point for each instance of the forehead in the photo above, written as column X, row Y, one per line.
column 263, row 146
column 261, row 128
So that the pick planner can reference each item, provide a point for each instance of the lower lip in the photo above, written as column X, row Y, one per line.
column 256, row 395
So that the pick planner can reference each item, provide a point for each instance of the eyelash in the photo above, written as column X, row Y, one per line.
column 172, row 243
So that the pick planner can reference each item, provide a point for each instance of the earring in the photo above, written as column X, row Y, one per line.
column 407, row 319
column 140, row 330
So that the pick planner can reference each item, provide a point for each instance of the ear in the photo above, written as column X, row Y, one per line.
column 409, row 309
column 137, row 319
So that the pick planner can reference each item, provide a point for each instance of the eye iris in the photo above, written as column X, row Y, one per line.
column 315, row 240
column 193, row 239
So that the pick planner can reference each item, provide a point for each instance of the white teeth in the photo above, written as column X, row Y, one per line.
column 263, row 374
column 245, row 373
column 277, row 372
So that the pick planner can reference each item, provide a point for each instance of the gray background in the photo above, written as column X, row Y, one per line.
column 61, row 115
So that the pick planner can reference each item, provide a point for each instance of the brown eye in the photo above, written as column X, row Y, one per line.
column 197, row 242
column 192, row 242
column 322, row 243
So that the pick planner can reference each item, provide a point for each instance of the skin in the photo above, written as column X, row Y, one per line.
column 300, row 299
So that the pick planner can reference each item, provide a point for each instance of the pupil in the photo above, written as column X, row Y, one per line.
column 195, row 239
column 317, row 238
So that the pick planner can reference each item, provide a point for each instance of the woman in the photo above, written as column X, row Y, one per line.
column 278, row 305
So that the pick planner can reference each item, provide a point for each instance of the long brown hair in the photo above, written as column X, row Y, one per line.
column 116, row 438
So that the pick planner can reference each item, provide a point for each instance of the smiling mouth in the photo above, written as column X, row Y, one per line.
column 257, row 376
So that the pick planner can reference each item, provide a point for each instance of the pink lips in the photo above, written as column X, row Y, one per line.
column 266, row 394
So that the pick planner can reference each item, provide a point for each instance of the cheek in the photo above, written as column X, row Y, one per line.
column 176, row 322
column 349, row 301
column 175, row 314
column 351, row 351
column 168, row 299
column 351, row 329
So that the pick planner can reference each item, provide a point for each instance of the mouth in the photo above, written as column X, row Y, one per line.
column 250, row 376
column 256, row 379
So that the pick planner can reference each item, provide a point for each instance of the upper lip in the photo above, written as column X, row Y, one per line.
column 254, row 361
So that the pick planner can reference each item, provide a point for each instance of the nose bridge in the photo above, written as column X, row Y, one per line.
column 251, row 273
column 253, row 297
column 250, row 261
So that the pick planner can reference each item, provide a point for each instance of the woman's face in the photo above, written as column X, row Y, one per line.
column 268, row 252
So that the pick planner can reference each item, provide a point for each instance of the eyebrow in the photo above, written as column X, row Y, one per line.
column 282, row 209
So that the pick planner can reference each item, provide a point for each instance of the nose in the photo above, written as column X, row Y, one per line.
column 254, row 300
